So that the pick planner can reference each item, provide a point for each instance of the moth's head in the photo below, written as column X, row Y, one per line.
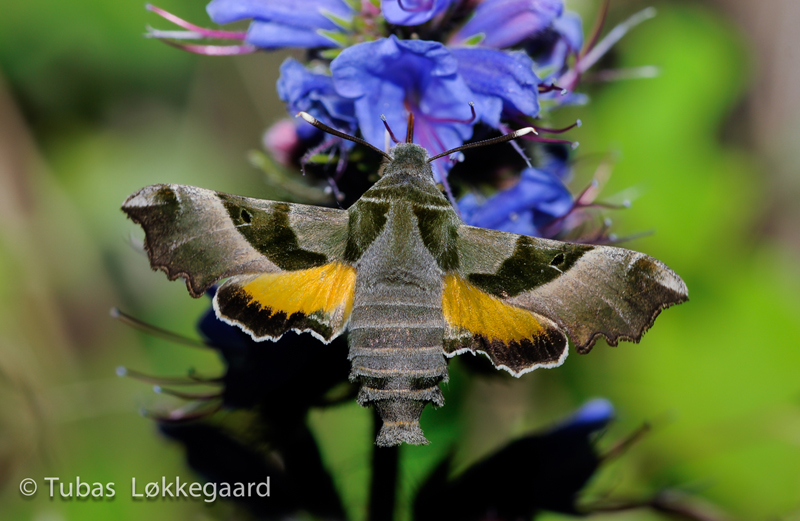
column 409, row 155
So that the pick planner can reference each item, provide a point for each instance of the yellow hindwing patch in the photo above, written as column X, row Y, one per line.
column 467, row 307
column 328, row 289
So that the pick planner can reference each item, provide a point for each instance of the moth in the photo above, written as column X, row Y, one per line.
column 411, row 283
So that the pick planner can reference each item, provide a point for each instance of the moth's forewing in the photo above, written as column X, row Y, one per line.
column 587, row 291
column 283, row 260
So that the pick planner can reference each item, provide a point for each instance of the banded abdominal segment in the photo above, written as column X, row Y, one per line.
column 397, row 325
column 399, row 362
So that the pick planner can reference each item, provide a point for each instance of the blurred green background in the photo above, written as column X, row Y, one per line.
column 91, row 111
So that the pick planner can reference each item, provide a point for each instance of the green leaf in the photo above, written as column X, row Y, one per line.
column 475, row 39
column 344, row 23
column 330, row 54
column 340, row 39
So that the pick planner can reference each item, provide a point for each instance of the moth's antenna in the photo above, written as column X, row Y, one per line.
column 410, row 131
column 325, row 128
column 389, row 130
column 502, row 139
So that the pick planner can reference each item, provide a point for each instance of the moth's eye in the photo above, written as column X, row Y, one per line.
column 246, row 216
column 558, row 259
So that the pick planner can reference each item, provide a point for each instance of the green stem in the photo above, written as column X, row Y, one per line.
column 383, row 488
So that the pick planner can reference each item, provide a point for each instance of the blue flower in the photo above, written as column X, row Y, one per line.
column 501, row 82
column 297, row 23
column 591, row 417
column 551, row 47
column 503, row 23
column 392, row 77
column 303, row 90
column 536, row 200
column 412, row 12
column 557, row 465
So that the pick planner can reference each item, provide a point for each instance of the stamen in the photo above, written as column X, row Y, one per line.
column 174, row 35
column 165, row 380
column 306, row 159
column 204, row 379
column 453, row 120
column 325, row 128
column 607, row 206
column 200, row 31
column 183, row 415
column 588, row 194
column 389, row 130
column 570, row 78
column 157, row 331
column 613, row 37
column 599, row 22
column 424, row 7
column 410, row 127
column 337, row 195
column 344, row 155
column 573, row 144
column 186, row 396
column 577, row 123
column 628, row 73
column 214, row 50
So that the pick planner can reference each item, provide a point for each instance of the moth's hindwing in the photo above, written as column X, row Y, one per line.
column 515, row 339
column 317, row 300
column 284, row 260
column 585, row 291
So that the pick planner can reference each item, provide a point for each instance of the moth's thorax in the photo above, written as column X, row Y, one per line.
column 407, row 179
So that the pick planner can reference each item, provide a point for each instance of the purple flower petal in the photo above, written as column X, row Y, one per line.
column 296, row 13
column 391, row 77
column 412, row 12
column 269, row 35
column 304, row 90
column 492, row 74
column 504, row 23
column 551, row 48
column 536, row 199
column 592, row 416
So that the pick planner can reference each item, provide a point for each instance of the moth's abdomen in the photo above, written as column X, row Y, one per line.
column 396, row 353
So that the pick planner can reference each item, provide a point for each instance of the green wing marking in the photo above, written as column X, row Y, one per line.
column 367, row 220
column 268, row 231
column 532, row 264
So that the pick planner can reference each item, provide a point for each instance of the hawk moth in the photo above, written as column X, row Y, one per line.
column 410, row 282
